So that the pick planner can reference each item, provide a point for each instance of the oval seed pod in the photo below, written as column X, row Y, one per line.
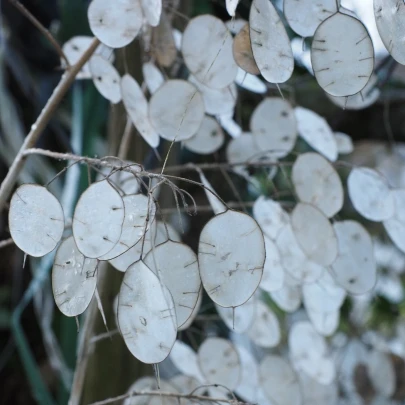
column 316, row 182
column 219, row 362
column 185, row 360
column 304, row 16
column 270, row 43
column 249, row 381
column 314, row 393
column 231, row 7
column 208, row 139
column 106, row 78
column 231, row 256
column 314, row 234
column 35, row 219
column 139, row 214
column 389, row 17
column 370, row 194
column 316, row 132
column 242, row 51
column 74, row 279
column 288, row 298
column 146, row 315
column 176, row 266
column 152, row 10
column 182, row 118
column 265, row 330
column 137, row 108
column 207, row 51
column 163, row 47
column 382, row 373
column 250, row 82
column 115, row 26
column 273, row 272
column 153, row 76
column 354, row 268
column 279, row 381
column 325, row 323
column 217, row 101
column 97, row 220
column 344, row 143
column 274, row 126
column 395, row 226
column 342, row 55
column 361, row 100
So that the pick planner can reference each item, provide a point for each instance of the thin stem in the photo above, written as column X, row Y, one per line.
column 126, row 139
column 20, row 7
column 42, row 121
column 6, row 242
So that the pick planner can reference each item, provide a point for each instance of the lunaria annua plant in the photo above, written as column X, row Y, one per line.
column 277, row 272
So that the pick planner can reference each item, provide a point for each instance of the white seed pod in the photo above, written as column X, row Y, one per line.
column 229, row 125
column 370, row 194
column 293, row 259
column 314, row 393
column 389, row 17
column 304, row 16
column 288, row 298
column 325, row 295
column 325, row 323
column 115, row 26
column 216, row 101
column 395, row 226
column 316, row 132
column 35, row 219
column 176, row 266
column 74, row 49
column 238, row 319
column 316, row 182
column 146, row 315
column 74, row 279
column 314, row 234
column 270, row 43
column 208, row 139
column 274, row 126
column 126, row 182
column 270, row 215
column 184, row 384
column 153, row 77
column 164, row 232
column 184, row 117
column 242, row 51
column 354, row 268
column 185, row 360
column 139, row 214
column 273, row 272
column 194, row 313
column 152, row 10
column 207, row 51
column 250, row 82
column 342, row 55
column 216, row 204
column 106, row 78
column 265, row 330
column 249, row 381
column 97, row 220
column 231, row 256
column 137, row 108
column 219, row 362
column 235, row 25
column 231, row 7
column 381, row 372
column 363, row 99
column 279, row 381
column 344, row 143
column 308, row 351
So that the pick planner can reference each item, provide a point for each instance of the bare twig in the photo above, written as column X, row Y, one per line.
column 6, row 242
column 20, row 7
column 41, row 122
column 169, row 395
column 126, row 139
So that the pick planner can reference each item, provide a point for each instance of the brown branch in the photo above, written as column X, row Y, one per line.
column 20, row 7
column 169, row 395
column 42, row 121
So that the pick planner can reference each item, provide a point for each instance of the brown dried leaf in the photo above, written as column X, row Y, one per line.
column 242, row 51
column 163, row 45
